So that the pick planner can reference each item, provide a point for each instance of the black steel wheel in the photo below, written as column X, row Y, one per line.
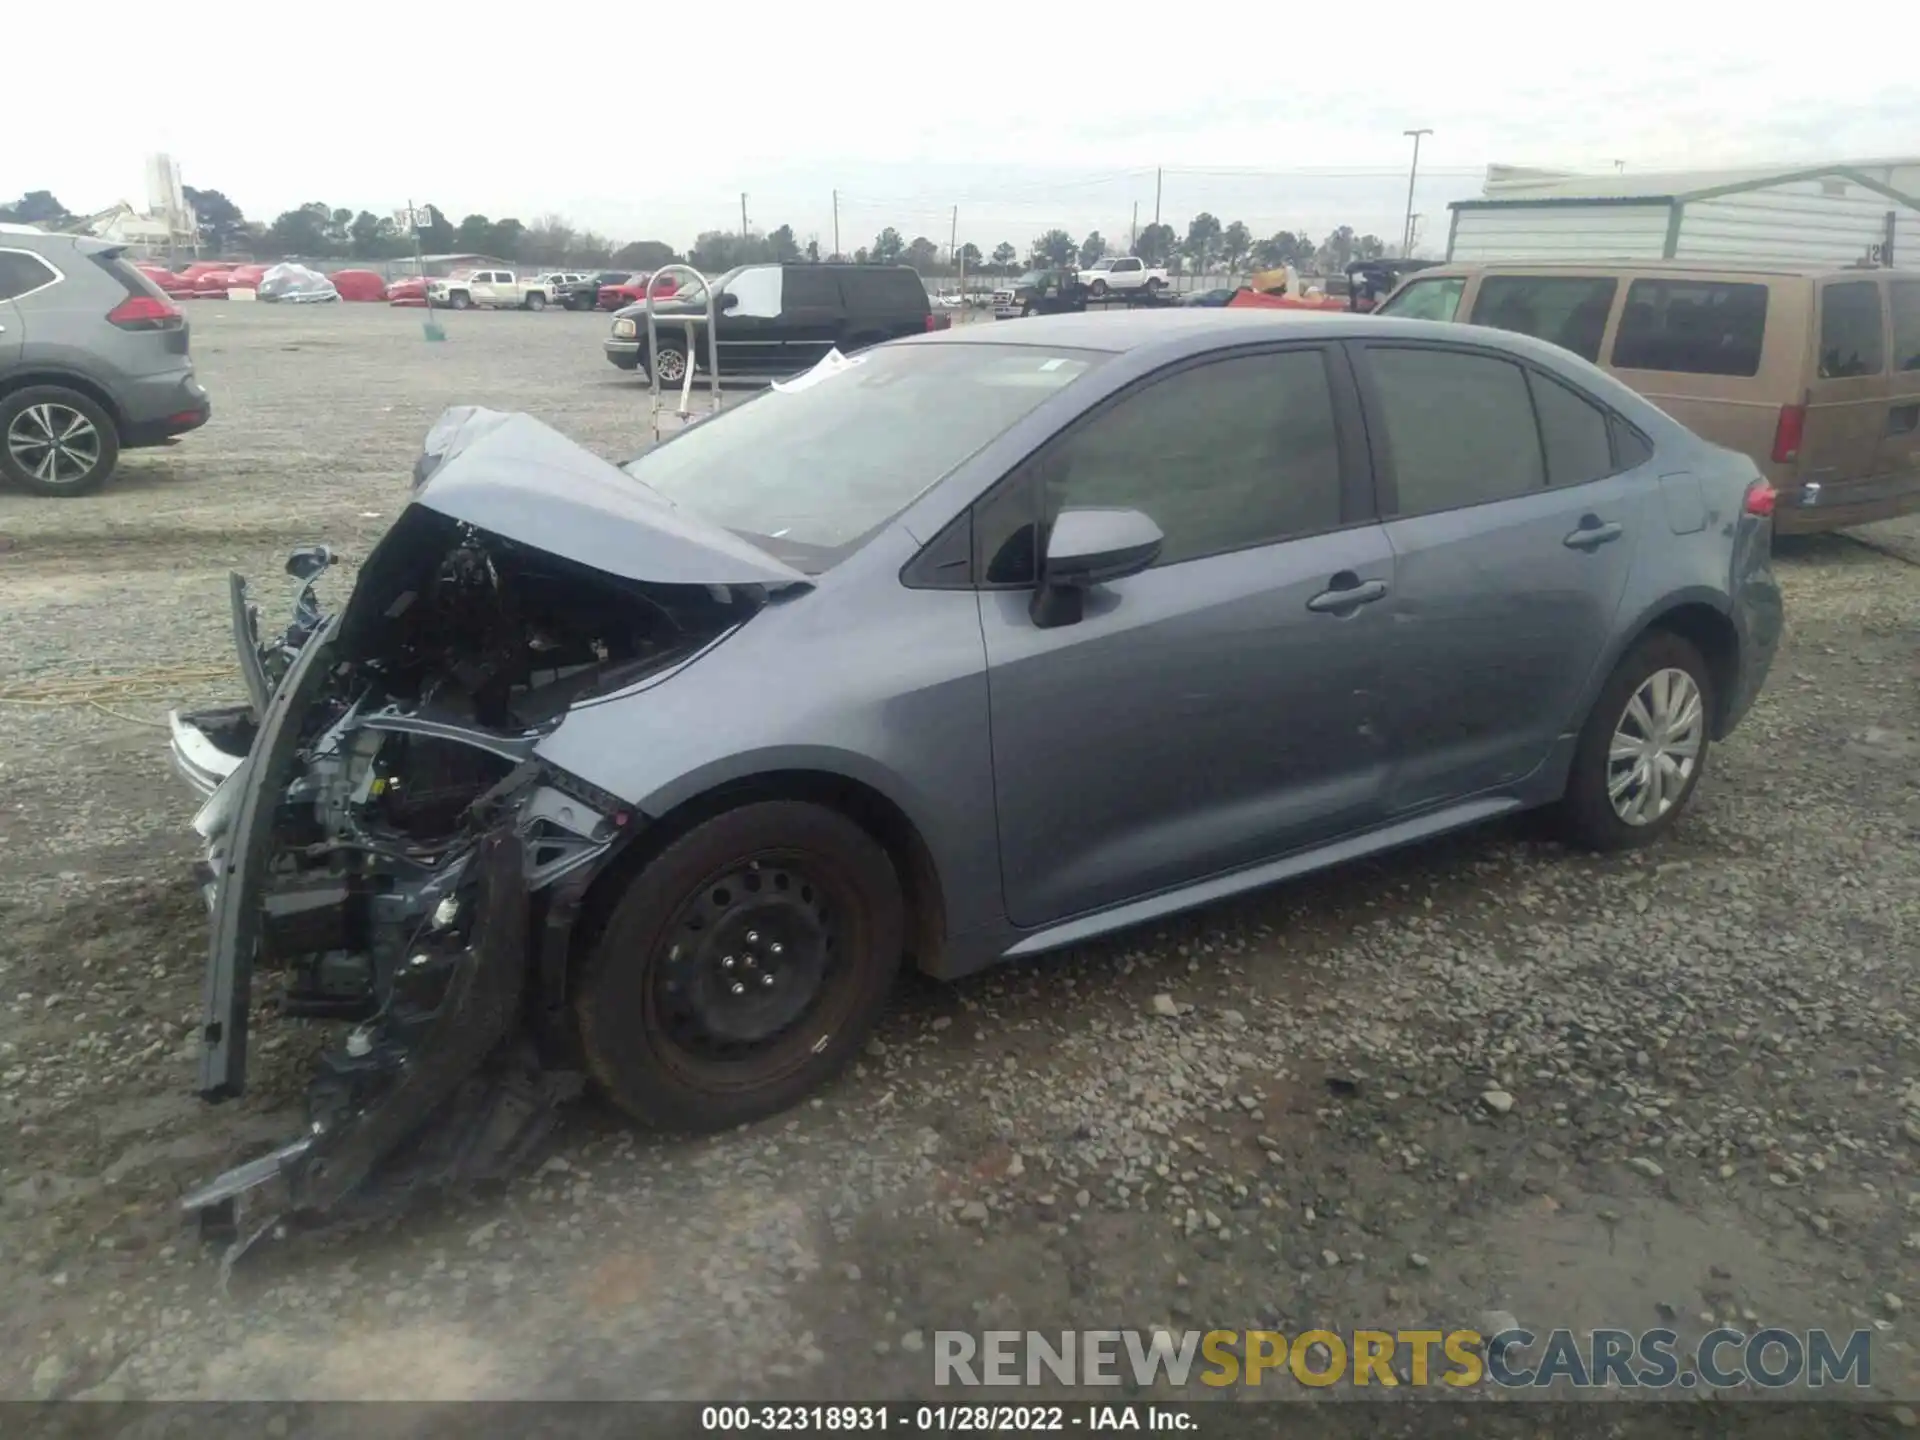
column 742, row 967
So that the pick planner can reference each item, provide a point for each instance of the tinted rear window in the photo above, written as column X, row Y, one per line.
column 1692, row 327
column 883, row 288
column 1569, row 311
column 1574, row 432
column 1852, row 334
column 1906, row 325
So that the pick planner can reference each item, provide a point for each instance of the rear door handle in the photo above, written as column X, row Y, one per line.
column 1592, row 537
column 1350, row 596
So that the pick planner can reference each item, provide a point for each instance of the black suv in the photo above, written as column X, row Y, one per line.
column 779, row 319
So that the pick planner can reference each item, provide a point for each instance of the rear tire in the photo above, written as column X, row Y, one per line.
column 681, row 1010
column 56, row 441
column 1650, row 724
column 536, row 301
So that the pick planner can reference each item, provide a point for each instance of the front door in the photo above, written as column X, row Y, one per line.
column 1218, row 709
column 13, row 331
column 1848, row 401
column 748, row 329
column 1512, row 541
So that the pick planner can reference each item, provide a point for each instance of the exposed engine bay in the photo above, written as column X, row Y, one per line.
column 383, row 838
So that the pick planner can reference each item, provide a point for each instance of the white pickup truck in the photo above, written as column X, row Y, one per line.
column 495, row 289
column 1122, row 274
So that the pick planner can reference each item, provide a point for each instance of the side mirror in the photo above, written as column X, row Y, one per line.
column 726, row 300
column 309, row 561
column 1087, row 548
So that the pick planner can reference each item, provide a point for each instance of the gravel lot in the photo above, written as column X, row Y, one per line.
column 1708, row 1049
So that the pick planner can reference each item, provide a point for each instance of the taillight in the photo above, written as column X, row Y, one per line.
column 1760, row 498
column 144, row 312
column 1787, row 432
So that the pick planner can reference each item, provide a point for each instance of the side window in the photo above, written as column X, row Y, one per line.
column 808, row 287
column 757, row 291
column 1905, row 295
column 1570, row 311
column 21, row 272
column 1426, row 300
column 1852, row 337
column 1125, row 266
column 1573, row 431
column 1224, row 455
column 1692, row 327
column 1460, row 427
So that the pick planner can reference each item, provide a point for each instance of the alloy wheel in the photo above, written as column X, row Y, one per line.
column 54, row 443
column 1656, row 746
column 671, row 365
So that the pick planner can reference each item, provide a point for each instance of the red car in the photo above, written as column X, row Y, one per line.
column 409, row 290
column 633, row 291
column 173, row 285
column 212, row 284
column 246, row 277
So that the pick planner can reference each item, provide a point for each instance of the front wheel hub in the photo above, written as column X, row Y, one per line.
column 747, row 958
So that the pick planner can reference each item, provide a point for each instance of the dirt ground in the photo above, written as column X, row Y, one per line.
column 1709, row 1048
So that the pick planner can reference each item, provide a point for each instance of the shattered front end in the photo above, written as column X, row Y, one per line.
column 382, row 833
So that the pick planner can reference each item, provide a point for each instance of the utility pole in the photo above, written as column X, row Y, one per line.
column 743, row 214
column 1413, row 233
column 1158, row 176
column 953, row 238
column 1133, row 233
column 1406, row 234
column 836, row 224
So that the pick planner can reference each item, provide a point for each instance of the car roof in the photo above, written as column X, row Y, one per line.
column 1118, row 331
column 1652, row 267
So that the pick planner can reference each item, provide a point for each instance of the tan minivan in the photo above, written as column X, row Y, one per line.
column 1813, row 373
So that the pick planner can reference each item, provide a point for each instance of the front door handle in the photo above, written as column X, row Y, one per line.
column 1350, row 595
column 1592, row 537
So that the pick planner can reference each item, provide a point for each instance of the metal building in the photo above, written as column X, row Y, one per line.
column 1839, row 214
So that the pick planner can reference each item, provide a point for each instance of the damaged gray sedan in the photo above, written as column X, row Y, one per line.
column 967, row 648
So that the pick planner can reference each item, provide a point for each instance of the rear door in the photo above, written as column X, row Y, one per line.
column 21, row 273
column 1512, row 538
column 811, row 312
column 1900, row 451
column 883, row 303
column 1848, row 401
column 1217, row 709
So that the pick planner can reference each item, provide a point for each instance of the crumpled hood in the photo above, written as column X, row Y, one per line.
column 512, row 475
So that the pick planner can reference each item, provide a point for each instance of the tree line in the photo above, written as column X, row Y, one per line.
column 317, row 231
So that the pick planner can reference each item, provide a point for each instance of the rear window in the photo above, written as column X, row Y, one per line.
column 1425, row 300
column 1852, row 336
column 1906, row 325
column 21, row 272
column 1569, row 311
column 1692, row 327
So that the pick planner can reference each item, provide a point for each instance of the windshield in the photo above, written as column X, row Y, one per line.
column 812, row 470
column 1033, row 277
column 1425, row 300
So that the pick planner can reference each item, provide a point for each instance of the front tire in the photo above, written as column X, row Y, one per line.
column 56, row 441
column 1643, row 749
column 459, row 300
column 670, row 362
column 1098, row 289
column 742, row 968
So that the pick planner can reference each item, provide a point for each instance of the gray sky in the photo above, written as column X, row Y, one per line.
column 911, row 114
